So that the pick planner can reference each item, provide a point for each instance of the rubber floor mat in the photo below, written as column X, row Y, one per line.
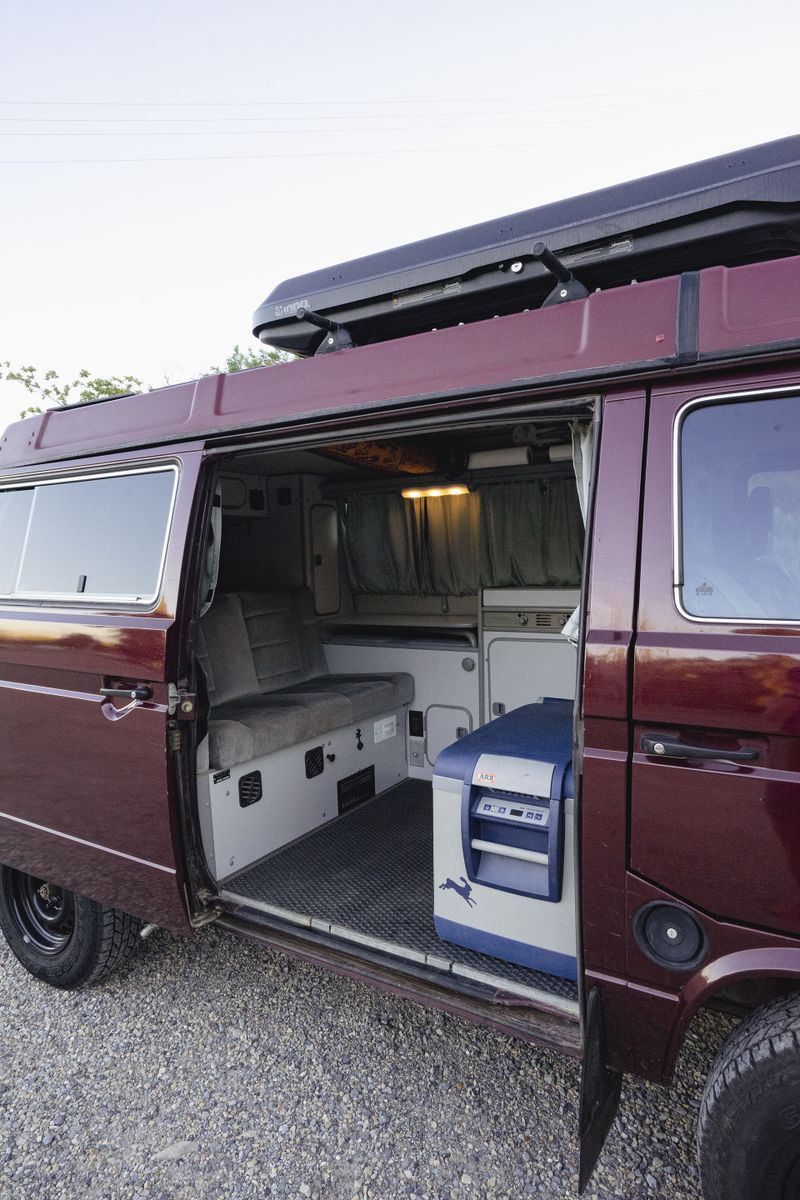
column 371, row 871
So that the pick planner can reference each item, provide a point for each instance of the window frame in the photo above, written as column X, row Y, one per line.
column 715, row 400
column 88, row 599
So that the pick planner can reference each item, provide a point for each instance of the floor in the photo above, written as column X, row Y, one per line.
column 371, row 872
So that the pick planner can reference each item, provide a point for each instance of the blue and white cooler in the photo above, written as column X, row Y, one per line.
column 503, row 813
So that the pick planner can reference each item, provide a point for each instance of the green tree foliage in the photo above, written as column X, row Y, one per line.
column 48, row 390
column 249, row 358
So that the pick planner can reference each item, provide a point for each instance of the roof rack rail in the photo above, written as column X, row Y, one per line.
column 730, row 210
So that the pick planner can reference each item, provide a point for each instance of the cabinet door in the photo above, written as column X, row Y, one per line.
column 522, row 669
column 325, row 559
column 444, row 724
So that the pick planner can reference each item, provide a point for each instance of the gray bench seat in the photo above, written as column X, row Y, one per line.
column 268, row 681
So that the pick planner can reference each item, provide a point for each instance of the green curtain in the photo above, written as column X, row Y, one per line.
column 516, row 534
column 381, row 545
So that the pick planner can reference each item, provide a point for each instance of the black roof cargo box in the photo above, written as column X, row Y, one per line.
column 734, row 209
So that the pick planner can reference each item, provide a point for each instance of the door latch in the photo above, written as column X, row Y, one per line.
column 181, row 704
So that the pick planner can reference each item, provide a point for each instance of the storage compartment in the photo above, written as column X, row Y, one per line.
column 355, row 765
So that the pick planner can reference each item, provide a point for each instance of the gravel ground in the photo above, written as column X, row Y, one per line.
column 216, row 1069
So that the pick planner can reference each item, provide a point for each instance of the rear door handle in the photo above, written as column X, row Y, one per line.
column 672, row 748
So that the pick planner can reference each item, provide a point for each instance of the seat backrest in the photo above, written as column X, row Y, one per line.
column 224, row 652
column 252, row 643
column 284, row 638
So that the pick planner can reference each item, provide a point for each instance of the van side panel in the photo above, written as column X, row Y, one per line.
column 85, row 794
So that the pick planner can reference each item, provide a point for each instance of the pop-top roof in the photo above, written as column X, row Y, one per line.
column 734, row 209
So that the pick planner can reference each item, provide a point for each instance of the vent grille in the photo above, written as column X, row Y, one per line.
column 250, row 789
column 315, row 762
column 355, row 789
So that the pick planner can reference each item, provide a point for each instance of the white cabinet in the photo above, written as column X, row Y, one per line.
column 525, row 655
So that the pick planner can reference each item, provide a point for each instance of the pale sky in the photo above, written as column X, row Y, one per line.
column 164, row 164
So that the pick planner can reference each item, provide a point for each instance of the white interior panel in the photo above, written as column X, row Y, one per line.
column 443, row 676
column 291, row 805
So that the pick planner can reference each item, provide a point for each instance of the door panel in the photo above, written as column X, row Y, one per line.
column 752, row 869
column 723, row 835
column 86, row 798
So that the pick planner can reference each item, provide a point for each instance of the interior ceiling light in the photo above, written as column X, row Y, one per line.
column 422, row 493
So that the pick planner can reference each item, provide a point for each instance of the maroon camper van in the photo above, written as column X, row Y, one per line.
column 461, row 656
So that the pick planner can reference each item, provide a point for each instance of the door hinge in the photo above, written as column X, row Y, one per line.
column 181, row 704
column 206, row 915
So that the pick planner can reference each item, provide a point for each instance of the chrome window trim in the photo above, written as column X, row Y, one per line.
column 25, row 539
column 87, row 599
column 677, row 511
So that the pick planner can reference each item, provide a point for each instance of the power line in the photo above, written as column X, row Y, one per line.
column 495, row 112
column 327, row 103
column 383, row 129
column 15, row 162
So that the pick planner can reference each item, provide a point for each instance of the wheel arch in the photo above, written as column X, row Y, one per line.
column 778, row 967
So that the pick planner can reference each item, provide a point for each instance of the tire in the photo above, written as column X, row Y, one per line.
column 59, row 937
column 749, row 1126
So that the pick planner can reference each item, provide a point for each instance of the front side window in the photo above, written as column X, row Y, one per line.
column 91, row 538
column 739, row 527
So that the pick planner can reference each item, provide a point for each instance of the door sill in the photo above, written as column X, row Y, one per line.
column 438, row 967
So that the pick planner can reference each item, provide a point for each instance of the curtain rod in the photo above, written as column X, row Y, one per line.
column 561, row 470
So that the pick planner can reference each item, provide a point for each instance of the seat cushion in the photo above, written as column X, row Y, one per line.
column 244, row 730
column 369, row 695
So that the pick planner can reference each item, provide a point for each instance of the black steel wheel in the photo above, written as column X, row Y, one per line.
column 749, row 1128
column 43, row 914
column 60, row 937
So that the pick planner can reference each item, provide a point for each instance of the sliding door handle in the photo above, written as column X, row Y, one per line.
column 140, row 693
column 663, row 747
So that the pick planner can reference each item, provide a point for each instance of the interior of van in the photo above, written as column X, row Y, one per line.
column 388, row 631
